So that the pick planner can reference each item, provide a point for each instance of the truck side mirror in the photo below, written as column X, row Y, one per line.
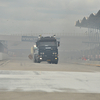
column 58, row 43
column 36, row 44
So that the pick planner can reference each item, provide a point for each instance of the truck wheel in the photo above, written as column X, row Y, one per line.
column 38, row 61
column 34, row 60
column 56, row 62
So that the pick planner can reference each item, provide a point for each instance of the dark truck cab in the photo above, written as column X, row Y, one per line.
column 47, row 49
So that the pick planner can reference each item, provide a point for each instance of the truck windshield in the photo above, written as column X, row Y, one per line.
column 47, row 44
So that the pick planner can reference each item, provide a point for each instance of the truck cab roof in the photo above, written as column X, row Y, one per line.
column 47, row 38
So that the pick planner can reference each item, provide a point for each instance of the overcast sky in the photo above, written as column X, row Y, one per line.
column 44, row 16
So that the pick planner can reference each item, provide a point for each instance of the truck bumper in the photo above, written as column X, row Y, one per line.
column 49, row 59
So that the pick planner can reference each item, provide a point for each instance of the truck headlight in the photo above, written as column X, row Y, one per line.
column 54, row 53
column 40, row 58
column 42, row 53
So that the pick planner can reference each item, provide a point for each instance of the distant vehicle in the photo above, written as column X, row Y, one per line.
column 46, row 49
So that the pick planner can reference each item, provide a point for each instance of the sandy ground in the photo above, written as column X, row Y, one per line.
column 29, row 65
column 26, row 64
column 47, row 96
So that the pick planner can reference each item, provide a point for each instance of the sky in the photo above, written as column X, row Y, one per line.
column 44, row 16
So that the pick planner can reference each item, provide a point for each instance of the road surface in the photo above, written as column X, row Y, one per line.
column 21, row 79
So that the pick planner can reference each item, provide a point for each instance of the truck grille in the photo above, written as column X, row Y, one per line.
column 48, row 52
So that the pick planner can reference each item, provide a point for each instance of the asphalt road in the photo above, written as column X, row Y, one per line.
column 47, row 81
column 21, row 79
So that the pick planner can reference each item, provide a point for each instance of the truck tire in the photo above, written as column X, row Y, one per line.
column 34, row 60
column 56, row 62
column 38, row 61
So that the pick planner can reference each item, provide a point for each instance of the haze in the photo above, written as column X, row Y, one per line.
column 69, row 72
column 44, row 16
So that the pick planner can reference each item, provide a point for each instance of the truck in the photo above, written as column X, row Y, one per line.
column 46, row 49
